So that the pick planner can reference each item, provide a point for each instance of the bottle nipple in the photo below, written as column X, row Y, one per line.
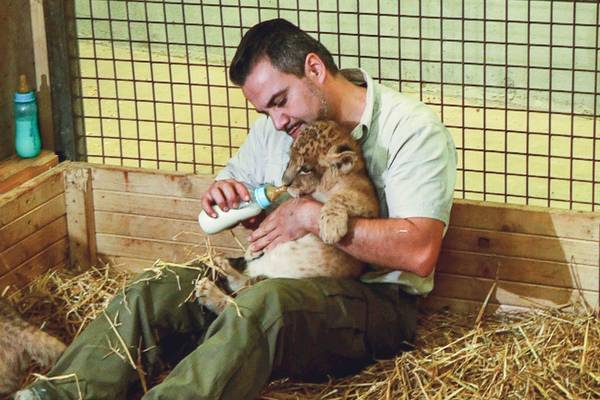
column 23, row 85
column 273, row 192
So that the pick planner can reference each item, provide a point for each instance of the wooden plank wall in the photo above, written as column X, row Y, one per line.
column 531, row 256
column 514, row 255
column 141, row 216
column 33, row 229
column 16, row 48
column 521, row 256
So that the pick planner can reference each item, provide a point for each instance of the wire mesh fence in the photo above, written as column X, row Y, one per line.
column 515, row 81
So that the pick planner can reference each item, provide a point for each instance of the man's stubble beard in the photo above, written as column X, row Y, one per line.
column 323, row 113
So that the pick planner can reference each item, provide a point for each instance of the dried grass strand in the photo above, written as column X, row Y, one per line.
column 541, row 354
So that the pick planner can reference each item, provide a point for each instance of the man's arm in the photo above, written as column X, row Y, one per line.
column 408, row 244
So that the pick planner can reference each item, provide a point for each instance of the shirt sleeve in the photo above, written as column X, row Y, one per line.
column 246, row 165
column 420, row 178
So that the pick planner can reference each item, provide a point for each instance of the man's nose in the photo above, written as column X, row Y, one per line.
column 280, row 120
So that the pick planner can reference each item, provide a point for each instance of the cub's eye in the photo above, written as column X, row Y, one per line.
column 305, row 169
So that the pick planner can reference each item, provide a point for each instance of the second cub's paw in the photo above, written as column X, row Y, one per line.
column 223, row 264
column 210, row 296
column 333, row 227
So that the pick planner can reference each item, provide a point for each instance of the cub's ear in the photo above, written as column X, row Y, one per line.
column 342, row 158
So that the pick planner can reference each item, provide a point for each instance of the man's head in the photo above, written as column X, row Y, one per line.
column 280, row 42
column 281, row 70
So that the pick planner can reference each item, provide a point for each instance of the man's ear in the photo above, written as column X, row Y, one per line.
column 314, row 68
column 342, row 158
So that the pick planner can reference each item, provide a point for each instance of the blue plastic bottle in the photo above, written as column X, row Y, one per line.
column 27, row 132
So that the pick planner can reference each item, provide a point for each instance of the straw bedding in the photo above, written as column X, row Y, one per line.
column 544, row 354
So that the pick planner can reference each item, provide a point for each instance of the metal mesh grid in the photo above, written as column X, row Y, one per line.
column 515, row 81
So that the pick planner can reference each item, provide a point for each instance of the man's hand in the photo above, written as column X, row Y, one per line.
column 291, row 220
column 254, row 222
column 227, row 194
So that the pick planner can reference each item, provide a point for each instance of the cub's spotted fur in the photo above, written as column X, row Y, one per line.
column 19, row 342
column 327, row 164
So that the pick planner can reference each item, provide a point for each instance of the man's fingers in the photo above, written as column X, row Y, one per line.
column 263, row 230
column 226, row 194
column 264, row 241
column 231, row 197
column 207, row 203
column 218, row 197
column 241, row 190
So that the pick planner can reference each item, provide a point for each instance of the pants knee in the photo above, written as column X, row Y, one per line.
column 268, row 296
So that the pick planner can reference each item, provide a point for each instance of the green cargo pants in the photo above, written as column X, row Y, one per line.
column 303, row 328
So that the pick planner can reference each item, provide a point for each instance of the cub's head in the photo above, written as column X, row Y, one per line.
column 323, row 153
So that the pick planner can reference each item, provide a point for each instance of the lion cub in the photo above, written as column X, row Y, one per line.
column 326, row 163
column 20, row 341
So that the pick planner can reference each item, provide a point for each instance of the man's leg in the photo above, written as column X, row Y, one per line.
column 304, row 328
column 147, row 317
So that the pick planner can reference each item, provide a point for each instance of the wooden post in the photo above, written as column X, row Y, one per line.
column 60, row 70
column 14, row 170
column 42, row 76
column 80, row 217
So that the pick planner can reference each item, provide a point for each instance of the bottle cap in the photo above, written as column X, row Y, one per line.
column 24, row 97
column 260, row 195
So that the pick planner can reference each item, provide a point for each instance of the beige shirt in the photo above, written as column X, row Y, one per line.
column 410, row 158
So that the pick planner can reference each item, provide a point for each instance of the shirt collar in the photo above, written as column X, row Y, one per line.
column 360, row 77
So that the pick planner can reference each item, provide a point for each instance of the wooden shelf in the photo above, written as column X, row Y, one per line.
column 15, row 170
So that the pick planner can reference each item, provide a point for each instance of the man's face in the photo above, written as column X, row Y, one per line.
column 290, row 101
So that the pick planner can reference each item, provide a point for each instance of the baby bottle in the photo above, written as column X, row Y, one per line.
column 27, row 133
column 261, row 198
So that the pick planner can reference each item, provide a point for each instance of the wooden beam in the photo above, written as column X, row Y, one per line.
column 112, row 245
column 57, row 26
column 510, row 293
column 139, row 180
column 80, row 217
column 42, row 74
column 130, row 265
column 511, row 218
column 518, row 269
column 461, row 306
column 14, row 171
column 33, row 245
column 53, row 256
column 167, row 229
column 38, row 32
column 32, row 222
column 536, row 247
column 29, row 195
column 144, row 204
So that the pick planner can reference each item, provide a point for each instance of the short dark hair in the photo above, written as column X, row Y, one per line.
column 284, row 44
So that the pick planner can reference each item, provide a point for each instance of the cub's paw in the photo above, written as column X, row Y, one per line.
column 210, row 296
column 26, row 394
column 252, row 255
column 223, row 264
column 332, row 226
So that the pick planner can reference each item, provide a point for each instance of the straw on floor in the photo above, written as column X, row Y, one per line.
column 544, row 354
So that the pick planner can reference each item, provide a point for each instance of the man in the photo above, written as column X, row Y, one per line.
column 305, row 327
